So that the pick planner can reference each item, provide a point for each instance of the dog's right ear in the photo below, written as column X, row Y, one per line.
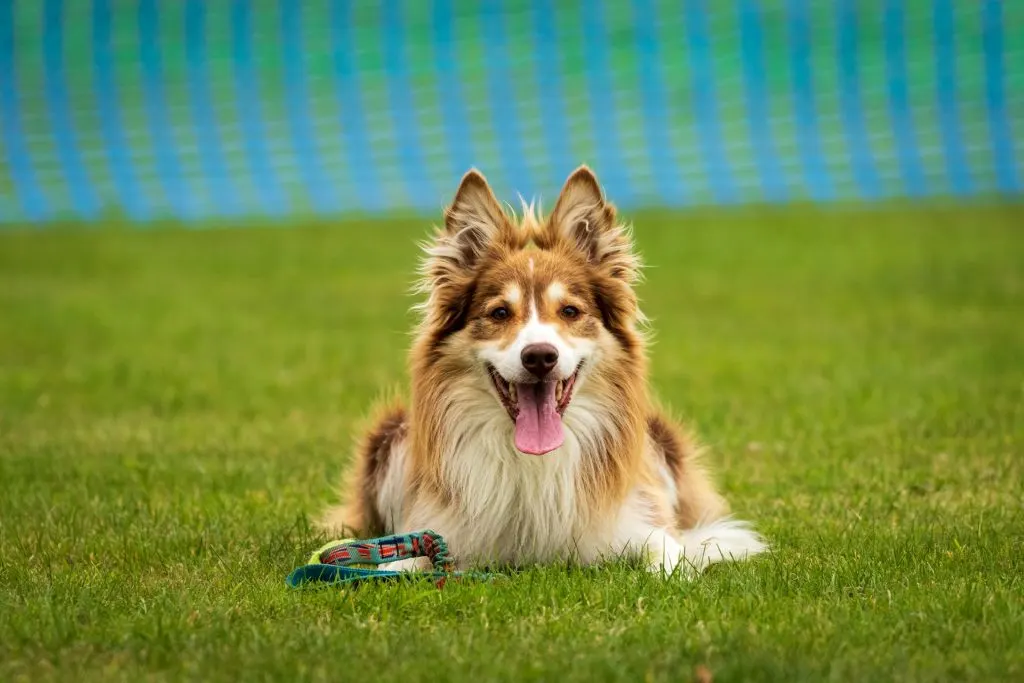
column 473, row 225
column 474, row 221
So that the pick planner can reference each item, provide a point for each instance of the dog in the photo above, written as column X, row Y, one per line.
column 530, row 436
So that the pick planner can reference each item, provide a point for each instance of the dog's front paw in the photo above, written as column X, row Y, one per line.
column 669, row 559
column 724, row 540
column 413, row 564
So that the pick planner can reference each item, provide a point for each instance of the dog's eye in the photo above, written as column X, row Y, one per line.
column 500, row 313
column 570, row 312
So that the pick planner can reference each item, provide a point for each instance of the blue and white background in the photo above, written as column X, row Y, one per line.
column 198, row 110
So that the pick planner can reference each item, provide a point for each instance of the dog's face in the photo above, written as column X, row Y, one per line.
column 534, row 326
column 532, row 312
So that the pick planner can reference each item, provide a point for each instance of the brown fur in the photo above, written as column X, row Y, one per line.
column 697, row 498
column 359, row 513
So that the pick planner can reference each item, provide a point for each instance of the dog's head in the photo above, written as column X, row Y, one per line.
column 535, row 313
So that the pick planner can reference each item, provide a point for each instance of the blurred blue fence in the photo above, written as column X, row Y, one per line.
column 195, row 110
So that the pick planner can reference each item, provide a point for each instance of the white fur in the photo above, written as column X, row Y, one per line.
column 513, row 294
column 391, row 496
column 556, row 290
column 511, row 507
column 723, row 540
column 670, row 482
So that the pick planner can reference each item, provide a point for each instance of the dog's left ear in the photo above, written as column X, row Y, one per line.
column 583, row 218
column 584, row 221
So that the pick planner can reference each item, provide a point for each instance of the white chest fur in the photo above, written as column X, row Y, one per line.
column 511, row 507
column 508, row 507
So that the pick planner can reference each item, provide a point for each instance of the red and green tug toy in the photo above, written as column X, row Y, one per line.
column 350, row 562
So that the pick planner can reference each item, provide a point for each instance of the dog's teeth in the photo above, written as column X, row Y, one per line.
column 512, row 392
column 559, row 388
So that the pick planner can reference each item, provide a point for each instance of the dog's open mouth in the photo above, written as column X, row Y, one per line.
column 536, row 409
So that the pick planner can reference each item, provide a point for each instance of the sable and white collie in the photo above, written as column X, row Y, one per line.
column 530, row 436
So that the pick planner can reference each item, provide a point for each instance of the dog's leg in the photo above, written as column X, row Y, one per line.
column 723, row 540
column 375, row 481
column 637, row 534
column 413, row 564
column 656, row 547
column 694, row 550
column 688, row 481
column 689, row 552
column 423, row 515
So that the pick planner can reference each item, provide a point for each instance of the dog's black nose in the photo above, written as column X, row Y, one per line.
column 539, row 359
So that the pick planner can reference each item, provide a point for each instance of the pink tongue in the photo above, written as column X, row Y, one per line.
column 538, row 424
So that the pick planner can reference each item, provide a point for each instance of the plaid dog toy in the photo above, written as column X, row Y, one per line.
column 351, row 562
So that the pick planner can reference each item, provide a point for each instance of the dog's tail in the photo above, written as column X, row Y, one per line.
column 722, row 540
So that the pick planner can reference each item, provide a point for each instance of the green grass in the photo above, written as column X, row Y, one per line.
column 176, row 405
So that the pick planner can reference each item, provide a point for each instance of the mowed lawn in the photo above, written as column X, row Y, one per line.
column 176, row 405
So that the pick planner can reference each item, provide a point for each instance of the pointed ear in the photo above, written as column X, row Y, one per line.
column 585, row 220
column 474, row 224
